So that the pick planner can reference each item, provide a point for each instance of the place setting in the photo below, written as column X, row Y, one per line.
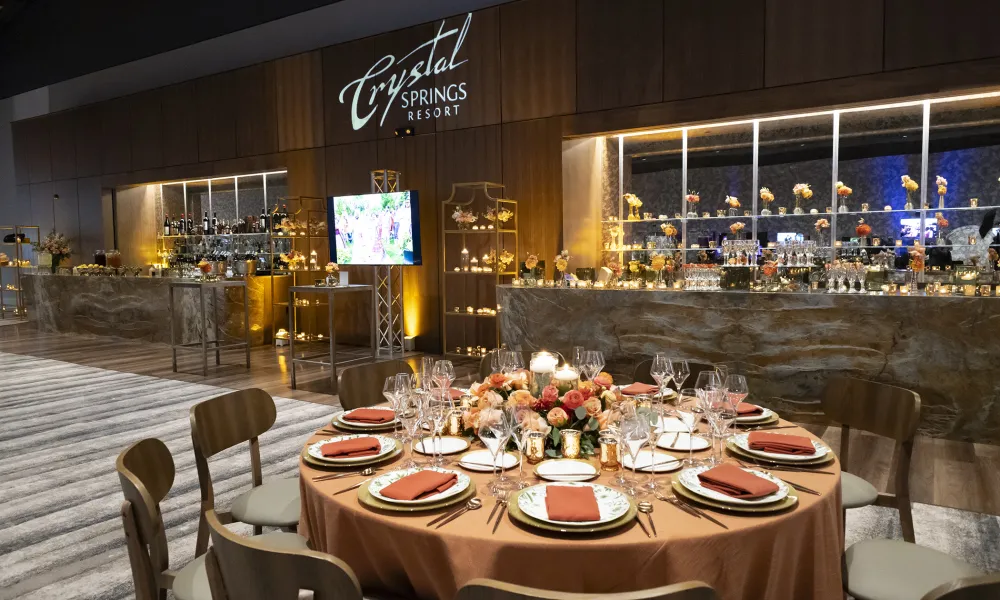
column 572, row 507
column 366, row 419
column 350, row 452
column 730, row 488
column 418, row 489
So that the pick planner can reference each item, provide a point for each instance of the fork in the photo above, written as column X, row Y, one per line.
column 502, row 500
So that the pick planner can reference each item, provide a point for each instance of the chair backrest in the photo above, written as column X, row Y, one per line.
column 878, row 408
column 242, row 568
column 489, row 589
column 361, row 385
column 230, row 419
column 972, row 588
column 146, row 472
column 641, row 373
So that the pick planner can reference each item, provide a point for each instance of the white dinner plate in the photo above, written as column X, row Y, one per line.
column 742, row 441
column 755, row 418
column 339, row 417
column 566, row 469
column 670, row 424
column 682, row 441
column 689, row 479
column 644, row 462
column 611, row 502
column 446, row 444
column 382, row 481
column 388, row 445
column 482, row 461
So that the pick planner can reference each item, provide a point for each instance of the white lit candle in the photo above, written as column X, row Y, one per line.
column 543, row 362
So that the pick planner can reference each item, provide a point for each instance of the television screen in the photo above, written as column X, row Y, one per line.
column 910, row 228
column 375, row 229
column 790, row 237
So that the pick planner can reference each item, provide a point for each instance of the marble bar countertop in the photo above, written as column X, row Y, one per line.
column 943, row 347
column 138, row 307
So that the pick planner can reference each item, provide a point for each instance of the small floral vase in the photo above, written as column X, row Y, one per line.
column 843, row 208
column 332, row 279
column 734, row 212
column 765, row 212
column 798, row 209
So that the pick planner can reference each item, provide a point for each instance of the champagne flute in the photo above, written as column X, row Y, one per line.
column 491, row 434
column 409, row 416
column 598, row 364
column 659, row 370
column 438, row 411
column 578, row 356
column 635, row 433
column 688, row 418
column 426, row 368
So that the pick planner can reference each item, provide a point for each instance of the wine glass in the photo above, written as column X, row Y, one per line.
column 515, row 360
column 723, row 372
column 736, row 389
column 493, row 434
column 659, row 370
column 578, row 356
column 390, row 390
column 721, row 415
column 595, row 362
column 437, row 412
column 496, row 361
column 689, row 418
column 426, row 367
column 409, row 416
column 679, row 371
column 635, row 434
column 442, row 375
column 518, row 433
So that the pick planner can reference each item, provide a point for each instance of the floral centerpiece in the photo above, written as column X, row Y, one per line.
column 586, row 409
column 843, row 192
column 464, row 218
column 491, row 260
column 942, row 189
column 562, row 262
column 55, row 244
column 205, row 267
column 737, row 229
column 616, row 269
column 332, row 273
column 503, row 215
column 670, row 231
column 802, row 192
column 692, row 200
column 942, row 224
column 531, row 266
column 290, row 227
column 294, row 259
column 733, row 202
column 910, row 186
column 633, row 206
column 767, row 198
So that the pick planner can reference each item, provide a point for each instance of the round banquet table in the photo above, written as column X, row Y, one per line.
column 788, row 556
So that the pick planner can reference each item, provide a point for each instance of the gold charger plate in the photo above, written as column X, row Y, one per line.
column 517, row 515
column 774, row 418
column 815, row 462
column 365, row 497
column 352, row 429
column 312, row 462
column 784, row 504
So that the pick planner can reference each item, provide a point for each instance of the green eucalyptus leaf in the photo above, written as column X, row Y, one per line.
column 580, row 412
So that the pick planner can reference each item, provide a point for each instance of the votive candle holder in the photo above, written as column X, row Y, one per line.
column 610, row 453
column 570, row 443
column 534, row 447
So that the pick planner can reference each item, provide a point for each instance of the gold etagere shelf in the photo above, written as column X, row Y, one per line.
column 468, row 285
column 22, row 262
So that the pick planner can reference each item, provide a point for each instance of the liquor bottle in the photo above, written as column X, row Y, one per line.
column 215, row 223
column 189, row 227
column 263, row 221
column 204, row 224
column 284, row 213
column 166, row 225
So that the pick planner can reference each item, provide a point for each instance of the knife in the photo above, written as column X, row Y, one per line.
column 801, row 488
column 353, row 487
column 494, row 511
column 704, row 514
column 446, row 514
column 453, row 516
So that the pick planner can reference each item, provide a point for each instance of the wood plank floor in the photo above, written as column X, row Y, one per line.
column 944, row 473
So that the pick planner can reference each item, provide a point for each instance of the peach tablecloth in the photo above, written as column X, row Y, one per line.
column 792, row 556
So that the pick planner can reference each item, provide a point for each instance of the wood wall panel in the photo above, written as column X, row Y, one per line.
column 67, row 218
column 146, row 130
column 343, row 64
column 299, row 93
column 538, row 58
column 19, row 139
column 21, row 210
column 927, row 32
column 621, row 63
column 41, row 206
column 39, row 152
column 809, row 40
column 256, row 110
column 62, row 143
column 178, row 105
column 88, row 191
column 216, row 117
column 712, row 47
column 480, row 74
column 89, row 152
column 306, row 173
column 348, row 168
column 400, row 43
column 532, row 175
column 467, row 155
column 116, row 137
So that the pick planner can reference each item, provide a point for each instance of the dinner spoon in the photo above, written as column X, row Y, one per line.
column 472, row 504
column 367, row 472
column 646, row 508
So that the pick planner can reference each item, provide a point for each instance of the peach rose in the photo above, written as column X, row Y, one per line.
column 518, row 380
column 489, row 416
column 497, row 380
column 521, row 398
column 470, row 419
column 604, row 379
column 593, row 406
column 572, row 400
column 604, row 418
column 557, row 417
column 532, row 421
column 550, row 393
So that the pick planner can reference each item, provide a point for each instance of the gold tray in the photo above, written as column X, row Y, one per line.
column 517, row 515
column 365, row 497
column 814, row 462
column 312, row 462
column 785, row 503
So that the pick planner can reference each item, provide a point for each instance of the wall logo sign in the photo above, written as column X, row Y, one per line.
column 424, row 61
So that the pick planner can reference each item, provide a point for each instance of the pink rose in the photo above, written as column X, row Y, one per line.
column 603, row 379
column 498, row 380
column 470, row 419
column 593, row 406
column 573, row 400
column 557, row 417
column 550, row 393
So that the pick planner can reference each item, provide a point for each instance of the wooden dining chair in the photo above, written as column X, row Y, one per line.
column 641, row 373
column 361, row 385
column 241, row 568
column 224, row 422
column 894, row 569
column 146, row 472
column 884, row 410
column 973, row 588
column 490, row 589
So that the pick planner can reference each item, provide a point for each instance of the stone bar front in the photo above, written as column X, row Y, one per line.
column 787, row 344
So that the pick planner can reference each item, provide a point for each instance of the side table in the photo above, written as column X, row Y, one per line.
column 205, row 345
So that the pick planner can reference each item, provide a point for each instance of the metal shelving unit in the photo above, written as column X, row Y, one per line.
column 12, row 292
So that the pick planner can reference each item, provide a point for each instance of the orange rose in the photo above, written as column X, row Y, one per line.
column 470, row 419
column 593, row 406
column 557, row 417
column 498, row 380
column 604, row 379
column 521, row 398
column 573, row 400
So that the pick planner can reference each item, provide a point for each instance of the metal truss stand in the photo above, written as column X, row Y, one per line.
column 388, row 281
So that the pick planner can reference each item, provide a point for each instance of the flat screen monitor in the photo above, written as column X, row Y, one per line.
column 910, row 228
column 375, row 229
column 790, row 237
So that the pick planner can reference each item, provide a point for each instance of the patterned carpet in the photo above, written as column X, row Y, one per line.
column 64, row 424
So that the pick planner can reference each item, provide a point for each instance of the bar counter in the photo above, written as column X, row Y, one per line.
column 788, row 344
column 136, row 307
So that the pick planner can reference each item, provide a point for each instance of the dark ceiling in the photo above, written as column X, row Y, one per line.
column 47, row 41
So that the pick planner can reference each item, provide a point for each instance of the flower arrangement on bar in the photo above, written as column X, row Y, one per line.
column 56, row 245
column 843, row 193
column 657, row 263
column 734, row 203
column 586, row 409
column 863, row 230
column 332, row 273
column 942, row 224
column 802, row 192
column 737, row 229
column 767, row 198
column 205, row 267
column 670, row 231
column 464, row 218
column 561, row 263
column 633, row 206
column 910, row 186
column 530, row 267
column 503, row 215
column 942, row 189
column 291, row 227
column 294, row 259
column 616, row 270
column 820, row 226
column 692, row 200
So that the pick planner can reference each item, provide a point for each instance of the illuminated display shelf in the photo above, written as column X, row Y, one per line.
column 13, row 300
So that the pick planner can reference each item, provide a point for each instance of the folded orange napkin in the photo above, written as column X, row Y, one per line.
column 455, row 394
column 734, row 481
column 781, row 443
column 745, row 409
column 370, row 415
column 362, row 446
column 639, row 388
column 420, row 485
column 565, row 503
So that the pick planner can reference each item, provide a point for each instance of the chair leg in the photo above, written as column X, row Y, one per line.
column 257, row 530
column 201, row 544
column 906, row 520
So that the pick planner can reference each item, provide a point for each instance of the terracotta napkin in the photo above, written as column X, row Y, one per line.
column 781, row 443
column 639, row 388
column 369, row 415
column 745, row 409
column 455, row 394
column 734, row 481
column 420, row 485
column 362, row 446
column 565, row 503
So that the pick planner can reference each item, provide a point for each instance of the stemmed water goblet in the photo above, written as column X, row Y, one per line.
column 736, row 389
column 595, row 362
column 679, row 372
column 493, row 433
column 660, row 371
column 635, row 435
column 721, row 415
column 411, row 419
column 438, row 411
column 443, row 374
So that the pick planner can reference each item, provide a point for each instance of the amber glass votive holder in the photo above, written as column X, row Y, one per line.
column 454, row 426
column 610, row 453
column 534, row 447
column 570, row 443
